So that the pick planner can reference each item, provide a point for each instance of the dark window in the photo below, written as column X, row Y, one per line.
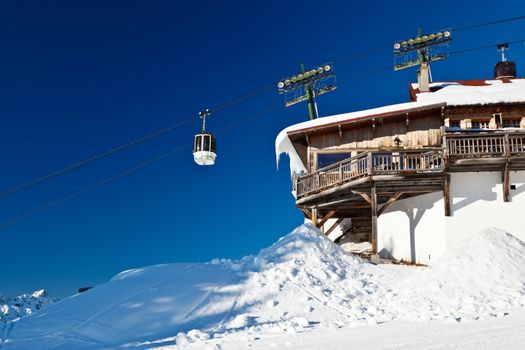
column 213, row 144
column 326, row 159
column 197, row 145
column 206, row 146
column 454, row 124
column 511, row 123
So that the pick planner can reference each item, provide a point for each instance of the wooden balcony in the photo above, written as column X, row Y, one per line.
column 363, row 187
column 462, row 152
column 367, row 165
column 485, row 151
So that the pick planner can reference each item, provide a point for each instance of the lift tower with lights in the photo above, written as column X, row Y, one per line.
column 307, row 85
column 420, row 51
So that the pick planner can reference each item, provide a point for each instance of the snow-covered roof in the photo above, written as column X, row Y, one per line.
column 467, row 92
column 283, row 143
column 473, row 92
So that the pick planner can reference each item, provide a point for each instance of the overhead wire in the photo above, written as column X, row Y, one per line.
column 105, row 154
column 127, row 171
column 479, row 25
column 151, row 161
column 128, row 145
column 485, row 47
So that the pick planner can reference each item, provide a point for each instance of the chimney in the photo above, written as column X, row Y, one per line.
column 423, row 77
column 504, row 69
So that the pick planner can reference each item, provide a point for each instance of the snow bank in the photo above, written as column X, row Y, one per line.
column 301, row 282
column 480, row 277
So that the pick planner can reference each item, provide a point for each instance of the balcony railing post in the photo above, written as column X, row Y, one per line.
column 369, row 163
column 507, row 145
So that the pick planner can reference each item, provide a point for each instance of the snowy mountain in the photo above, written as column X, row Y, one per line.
column 23, row 305
column 300, row 284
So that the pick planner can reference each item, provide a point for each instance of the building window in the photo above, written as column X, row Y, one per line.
column 326, row 159
column 480, row 124
column 511, row 123
column 454, row 123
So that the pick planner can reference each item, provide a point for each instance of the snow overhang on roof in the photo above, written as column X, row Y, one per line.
column 473, row 92
column 283, row 143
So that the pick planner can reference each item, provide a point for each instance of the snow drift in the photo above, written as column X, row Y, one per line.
column 302, row 281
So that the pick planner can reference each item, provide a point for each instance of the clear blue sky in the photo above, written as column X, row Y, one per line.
column 79, row 78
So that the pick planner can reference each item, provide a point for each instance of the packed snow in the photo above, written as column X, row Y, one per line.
column 26, row 304
column 495, row 91
column 303, row 283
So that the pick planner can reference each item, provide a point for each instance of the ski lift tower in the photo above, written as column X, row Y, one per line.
column 307, row 85
column 420, row 51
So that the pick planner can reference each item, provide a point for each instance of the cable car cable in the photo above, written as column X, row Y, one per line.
column 484, row 47
column 99, row 156
column 511, row 19
column 126, row 172
column 153, row 160
column 110, row 152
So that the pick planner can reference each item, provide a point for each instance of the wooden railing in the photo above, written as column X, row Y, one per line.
column 368, row 164
column 490, row 145
column 510, row 144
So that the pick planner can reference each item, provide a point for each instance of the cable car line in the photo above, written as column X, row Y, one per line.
column 90, row 160
column 511, row 19
column 115, row 150
column 245, row 97
column 153, row 160
column 484, row 47
column 126, row 172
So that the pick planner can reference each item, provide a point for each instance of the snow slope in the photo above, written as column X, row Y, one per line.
column 22, row 305
column 301, row 283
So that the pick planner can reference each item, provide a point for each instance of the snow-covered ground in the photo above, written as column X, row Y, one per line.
column 303, row 292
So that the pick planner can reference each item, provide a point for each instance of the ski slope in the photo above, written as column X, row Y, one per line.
column 303, row 284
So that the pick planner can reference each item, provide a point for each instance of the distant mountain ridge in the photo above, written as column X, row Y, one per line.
column 23, row 305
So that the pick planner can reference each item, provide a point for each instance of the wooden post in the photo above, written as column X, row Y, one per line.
column 506, row 183
column 373, row 197
column 369, row 165
column 446, row 194
column 314, row 217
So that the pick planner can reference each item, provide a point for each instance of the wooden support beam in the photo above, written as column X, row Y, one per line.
column 506, row 183
column 373, row 197
column 446, row 195
column 389, row 202
column 337, row 222
column 366, row 197
column 306, row 213
column 325, row 218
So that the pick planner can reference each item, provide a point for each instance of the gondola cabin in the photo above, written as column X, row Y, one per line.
column 204, row 149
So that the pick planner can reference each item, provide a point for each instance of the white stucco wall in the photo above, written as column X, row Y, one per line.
column 477, row 203
column 416, row 229
column 413, row 229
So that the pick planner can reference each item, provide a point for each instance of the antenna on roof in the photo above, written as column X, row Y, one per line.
column 307, row 85
column 420, row 51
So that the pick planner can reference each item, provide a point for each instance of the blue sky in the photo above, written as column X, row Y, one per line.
column 79, row 78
